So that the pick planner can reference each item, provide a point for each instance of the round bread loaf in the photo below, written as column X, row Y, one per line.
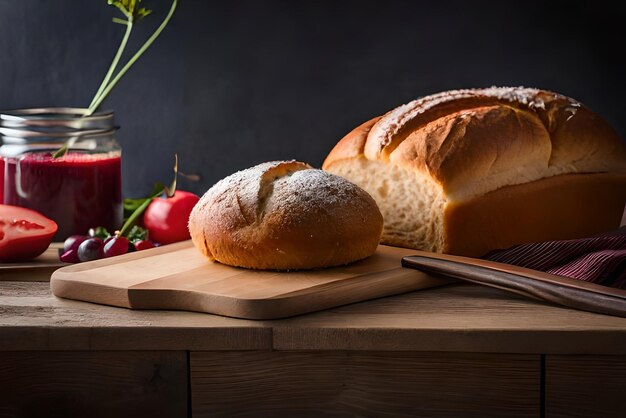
column 470, row 171
column 285, row 215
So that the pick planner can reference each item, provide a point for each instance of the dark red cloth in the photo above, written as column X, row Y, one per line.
column 600, row 259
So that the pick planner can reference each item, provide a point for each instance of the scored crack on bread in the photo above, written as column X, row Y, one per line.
column 285, row 215
column 430, row 163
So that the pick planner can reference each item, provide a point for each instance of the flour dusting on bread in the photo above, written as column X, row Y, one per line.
column 285, row 215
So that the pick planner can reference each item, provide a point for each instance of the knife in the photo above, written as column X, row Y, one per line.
column 535, row 284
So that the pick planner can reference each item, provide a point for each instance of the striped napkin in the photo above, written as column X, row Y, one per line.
column 600, row 259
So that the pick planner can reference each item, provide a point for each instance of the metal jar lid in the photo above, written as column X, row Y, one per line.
column 56, row 119
column 53, row 124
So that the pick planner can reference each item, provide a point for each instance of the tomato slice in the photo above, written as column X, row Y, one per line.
column 24, row 233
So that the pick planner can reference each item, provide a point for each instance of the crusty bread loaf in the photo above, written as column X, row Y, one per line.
column 285, row 215
column 470, row 171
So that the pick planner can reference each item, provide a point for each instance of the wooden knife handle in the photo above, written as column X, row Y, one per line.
column 535, row 284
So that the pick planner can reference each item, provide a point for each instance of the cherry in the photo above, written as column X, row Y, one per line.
column 144, row 245
column 90, row 249
column 115, row 245
column 72, row 242
column 70, row 256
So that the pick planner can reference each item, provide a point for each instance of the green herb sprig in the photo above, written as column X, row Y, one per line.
column 133, row 13
column 136, row 207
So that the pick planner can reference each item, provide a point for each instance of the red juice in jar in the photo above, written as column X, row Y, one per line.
column 78, row 190
column 1, row 180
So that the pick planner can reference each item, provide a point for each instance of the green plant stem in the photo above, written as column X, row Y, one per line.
column 137, row 213
column 131, row 61
column 116, row 60
column 169, row 192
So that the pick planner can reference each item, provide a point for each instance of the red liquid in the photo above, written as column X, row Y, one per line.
column 78, row 191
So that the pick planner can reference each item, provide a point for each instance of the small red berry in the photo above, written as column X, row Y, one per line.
column 144, row 245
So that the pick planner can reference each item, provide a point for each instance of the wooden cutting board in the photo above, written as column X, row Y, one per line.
column 178, row 277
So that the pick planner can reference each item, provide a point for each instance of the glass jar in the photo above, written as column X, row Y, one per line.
column 79, row 190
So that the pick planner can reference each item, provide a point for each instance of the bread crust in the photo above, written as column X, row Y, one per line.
column 472, row 146
column 561, row 207
column 353, row 144
column 449, row 134
column 285, row 215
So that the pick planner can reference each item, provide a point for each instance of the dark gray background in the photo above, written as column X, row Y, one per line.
column 233, row 83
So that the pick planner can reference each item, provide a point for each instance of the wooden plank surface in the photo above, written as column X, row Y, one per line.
column 585, row 386
column 94, row 384
column 451, row 318
column 38, row 270
column 179, row 277
column 378, row 384
column 32, row 319
column 465, row 318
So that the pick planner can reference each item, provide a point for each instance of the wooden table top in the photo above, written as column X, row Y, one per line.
column 454, row 318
